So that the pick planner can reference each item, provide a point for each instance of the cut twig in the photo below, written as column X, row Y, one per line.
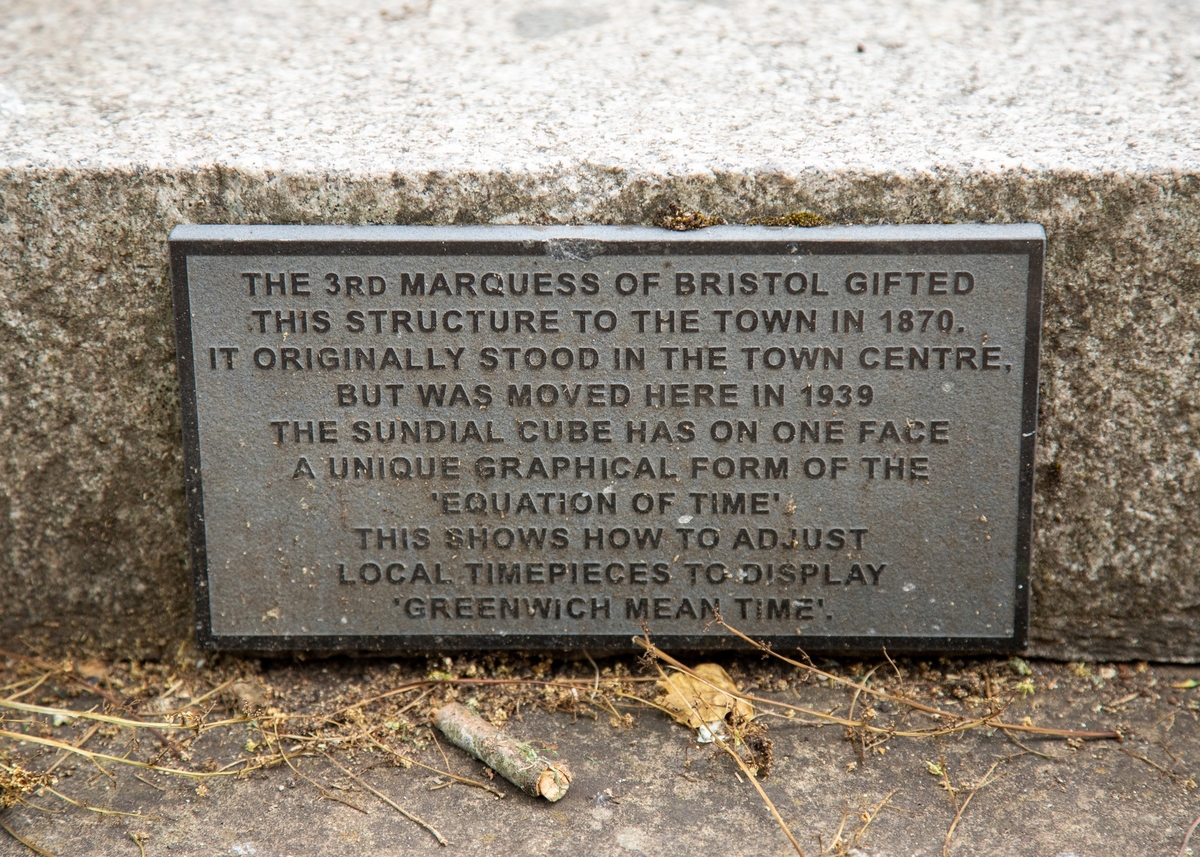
column 517, row 762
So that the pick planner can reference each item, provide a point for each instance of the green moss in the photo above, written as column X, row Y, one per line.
column 684, row 220
column 803, row 219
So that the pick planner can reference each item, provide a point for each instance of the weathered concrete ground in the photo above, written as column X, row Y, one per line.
column 647, row 787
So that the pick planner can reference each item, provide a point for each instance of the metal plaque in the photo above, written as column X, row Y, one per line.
column 404, row 438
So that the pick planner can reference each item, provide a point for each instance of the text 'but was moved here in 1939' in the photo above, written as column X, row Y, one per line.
column 406, row 438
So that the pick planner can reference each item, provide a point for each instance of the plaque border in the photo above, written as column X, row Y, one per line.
column 582, row 243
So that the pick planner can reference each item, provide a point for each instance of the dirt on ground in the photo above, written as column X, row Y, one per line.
column 195, row 753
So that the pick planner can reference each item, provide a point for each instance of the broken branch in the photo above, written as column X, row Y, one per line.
column 517, row 762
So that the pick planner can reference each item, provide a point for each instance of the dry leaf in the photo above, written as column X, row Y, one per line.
column 702, row 703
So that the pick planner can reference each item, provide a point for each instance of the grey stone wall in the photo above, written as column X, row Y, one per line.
column 120, row 120
column 92, row 526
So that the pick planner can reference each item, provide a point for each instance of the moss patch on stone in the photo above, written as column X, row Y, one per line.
column 684, row 220
column 803, row 219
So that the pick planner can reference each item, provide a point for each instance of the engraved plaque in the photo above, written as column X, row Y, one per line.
column 407, row 438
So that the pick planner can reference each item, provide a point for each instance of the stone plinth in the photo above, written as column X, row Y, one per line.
column 120, row 121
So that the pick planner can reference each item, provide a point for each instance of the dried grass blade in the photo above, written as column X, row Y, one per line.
column 34, row 848
column 95, row 809
column 27, row 690
column 724, row 745
column 762, row 794
column 199, row 699
column 324, row 792
column 104, row 718
column 1183, row 849
column 88, row 754
column 410, row 816
column 467, row 781
column 858, row 835
column 62, row 757
column 416, row 685
column 966, row 801
column 957, row 722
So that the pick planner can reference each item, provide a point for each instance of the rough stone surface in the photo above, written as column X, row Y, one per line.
column 119, row 121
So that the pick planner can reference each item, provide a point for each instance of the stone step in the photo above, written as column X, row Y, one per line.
column 119, row 123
